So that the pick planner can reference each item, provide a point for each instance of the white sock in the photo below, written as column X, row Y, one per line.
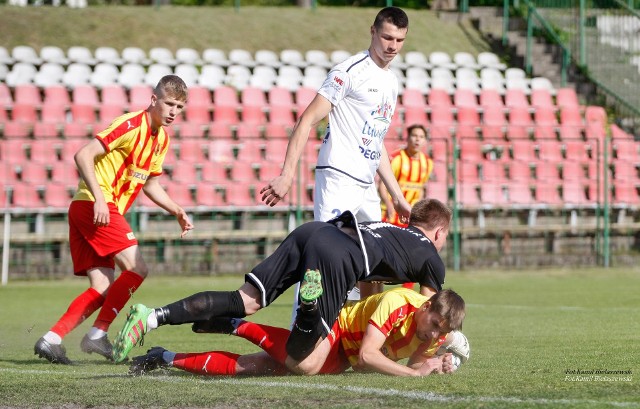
column 152, row 321
column 168, row 357
column 96, row 333
column 52, row 338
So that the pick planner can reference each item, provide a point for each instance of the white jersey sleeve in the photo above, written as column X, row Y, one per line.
column 363, row 96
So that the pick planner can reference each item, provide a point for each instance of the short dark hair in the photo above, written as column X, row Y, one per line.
column 393, row 15
column 417, row 126
column 430, row 214
column 450, row 306
column 172, row 86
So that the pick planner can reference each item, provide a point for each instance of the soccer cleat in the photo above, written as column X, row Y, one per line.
column 215, row 325
column 147, row 363
column 100, row 346
column 311, row 287
column 56, row 354
column 132, row 333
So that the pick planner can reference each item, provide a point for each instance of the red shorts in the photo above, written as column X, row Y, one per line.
column 93, row 246
column 337, row 361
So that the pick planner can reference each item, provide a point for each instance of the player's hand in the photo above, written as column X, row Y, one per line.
column 100, row 213
column 185, row 223
column 447, row 363
column 403, row 208
column 275, row 190
column 431, row 366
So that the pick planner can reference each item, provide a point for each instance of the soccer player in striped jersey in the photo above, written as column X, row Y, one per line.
column 123, row 160
column 412, row 169
column 370, row 335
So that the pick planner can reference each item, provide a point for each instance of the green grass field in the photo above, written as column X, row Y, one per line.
column 528, row 331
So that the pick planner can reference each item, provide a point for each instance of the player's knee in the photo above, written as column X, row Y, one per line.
column 308, row 366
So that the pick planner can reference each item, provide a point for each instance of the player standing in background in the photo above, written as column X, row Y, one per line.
column 412, row 169
column 370, row 335
column 114, row 167
column 359, row 96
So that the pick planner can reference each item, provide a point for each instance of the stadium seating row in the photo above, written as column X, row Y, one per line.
column 136, row 55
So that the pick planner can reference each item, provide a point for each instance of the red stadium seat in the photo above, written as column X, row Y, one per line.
column 27, row 94
column 188, row 130
column 576, row 150
column 220, row 130
column 221, row 151
column 251, row 151
column 468, row 172
column 85, row 95
column 16, row 130
column 546, row 171
column 413, row 98
column 208, row 195
column 198, row 114
column 182, row 193
column 253, row 114
column 416, row 115
column 56, row 95
column 115, row 94
column 468, row 122
column 184, row 172
column 574, row 193
column 547, row 194
column 83, row 113
column 139, row 97
column 515, row 98
column 493, row 171
column 191, row 150
column 520, row 171
column 26, row 195
column 199, row 97
column 465, row 98
column 283, row 115
column 244, row 172
column 519, row 194
column 549, row 150
column 58, row 194
column 304, row 96
column 213, row 172
column 491, row 98
column 542, row 98
column 523, row 150
column 279, row 96
column 441, row 121
column 438, row 98
column 567, row 98
column 469, row 195
column 471, row 150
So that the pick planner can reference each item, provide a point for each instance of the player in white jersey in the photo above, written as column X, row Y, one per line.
column 359, row 96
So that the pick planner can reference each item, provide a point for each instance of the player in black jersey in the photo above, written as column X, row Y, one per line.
column 337, row 254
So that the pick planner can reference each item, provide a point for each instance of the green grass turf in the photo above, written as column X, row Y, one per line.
column 253, row 28
column 526, row 329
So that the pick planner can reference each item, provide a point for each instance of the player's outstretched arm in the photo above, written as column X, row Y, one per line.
column 159, row 196
column 280, row 185
column 371, row 359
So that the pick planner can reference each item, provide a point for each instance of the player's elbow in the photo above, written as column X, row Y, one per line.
column 366, row 358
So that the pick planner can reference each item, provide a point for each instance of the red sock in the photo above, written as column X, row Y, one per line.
column 207, row 363
column 79, row 310
column 265, row 337
column 118, row 295
column 408, row 285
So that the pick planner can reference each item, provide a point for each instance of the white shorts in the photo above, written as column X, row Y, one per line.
column 336, row 193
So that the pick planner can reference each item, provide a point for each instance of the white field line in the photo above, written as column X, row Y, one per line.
column 554, row 308
column 415, row 395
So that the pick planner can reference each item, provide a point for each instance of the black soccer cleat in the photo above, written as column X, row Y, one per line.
column 141, row 365
column 56, row 354
column 100, row 346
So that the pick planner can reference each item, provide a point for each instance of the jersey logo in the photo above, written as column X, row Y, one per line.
column 131, row 236
column 366, row 142
column 129, row 125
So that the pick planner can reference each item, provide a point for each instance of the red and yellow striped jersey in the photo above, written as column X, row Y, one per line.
column 133, row 154
column 411, row 174
column 392, row 313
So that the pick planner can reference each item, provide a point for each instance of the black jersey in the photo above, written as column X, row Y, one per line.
column 396, row 255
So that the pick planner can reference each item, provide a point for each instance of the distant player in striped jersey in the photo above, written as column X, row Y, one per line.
column 370, row 335
column 412, row 169
column 121, row 161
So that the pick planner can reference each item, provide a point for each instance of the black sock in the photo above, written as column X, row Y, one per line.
column 306, row 331
column 201, row 307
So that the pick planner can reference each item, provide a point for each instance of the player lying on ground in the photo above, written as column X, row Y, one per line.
column 369, row 335
column 340, row 253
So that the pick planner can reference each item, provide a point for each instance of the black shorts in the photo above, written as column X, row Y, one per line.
column 314, row 245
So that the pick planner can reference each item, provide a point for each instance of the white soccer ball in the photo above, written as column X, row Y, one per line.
column 458, row 345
